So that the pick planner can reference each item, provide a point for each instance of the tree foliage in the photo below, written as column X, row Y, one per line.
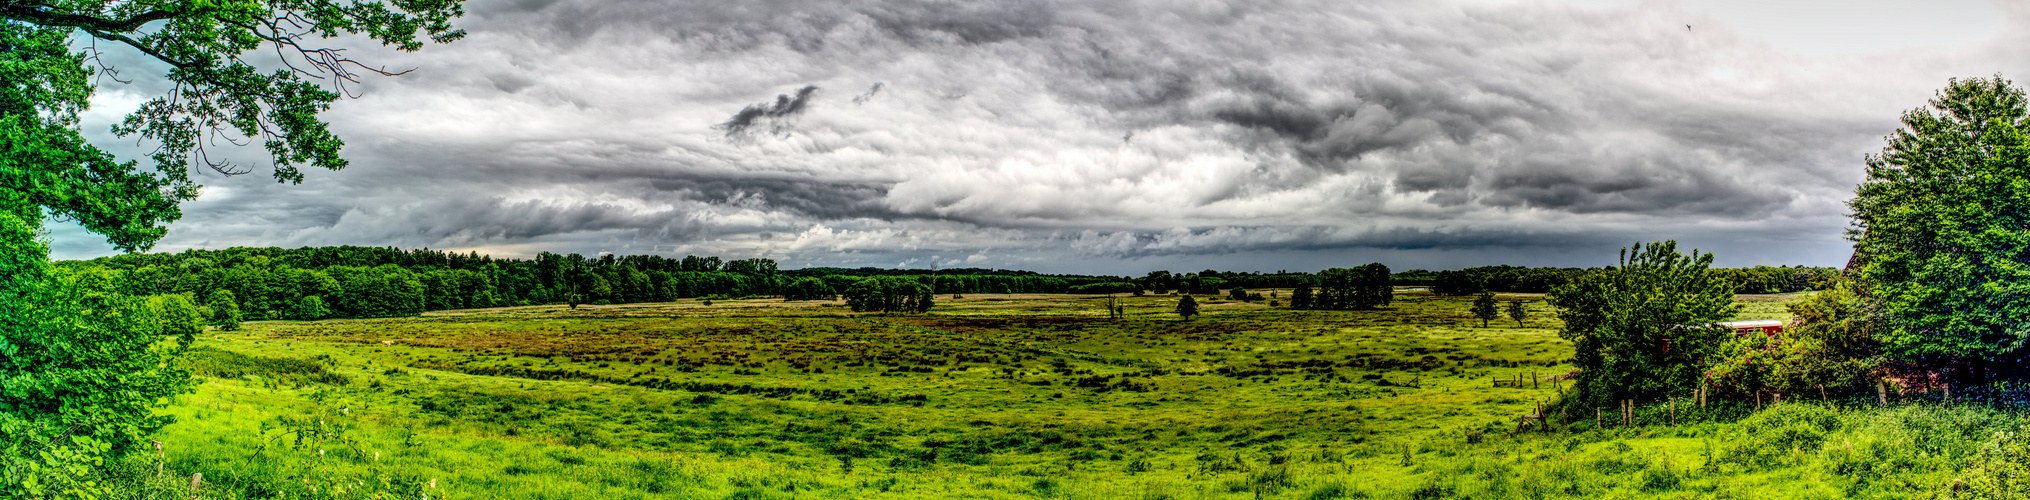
column 1518, row 310
column 225, row 312
column 890, row 294
column 80, row 361
column 216, row 97
column 1455, row 283
column 1187, row 307
column 1364, row 287
column 1518, row 279
column 77, row 358
column 1830, row 344
column 1300, row 297
column 1943, row 224
column 1485, row 308
column 808, row 289
column 1640, row 330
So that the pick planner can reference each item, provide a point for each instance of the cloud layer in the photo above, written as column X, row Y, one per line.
column 1114, row 137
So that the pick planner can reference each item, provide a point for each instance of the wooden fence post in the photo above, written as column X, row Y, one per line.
column 1533, row 379
column 1881, row 394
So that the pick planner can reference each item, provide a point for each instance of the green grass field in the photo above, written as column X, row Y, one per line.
column 997, row 396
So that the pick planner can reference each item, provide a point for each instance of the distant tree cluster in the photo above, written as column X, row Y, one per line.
column 1364, row 287
column 807, row 289
column 1242, row 294
column 1107, row 288
column 1502, row 279
column 1210, row 282
column 365, row 282
column 1516, row 279
column 890, row 294
column 362, row 282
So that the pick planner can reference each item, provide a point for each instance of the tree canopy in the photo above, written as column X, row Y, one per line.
column 1485, row 308
column 890, row 294
column 82, row 364
column 216, row 97
column 1942, row 224
column 1640, row 330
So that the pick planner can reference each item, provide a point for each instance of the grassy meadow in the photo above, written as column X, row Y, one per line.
column 1003, row 396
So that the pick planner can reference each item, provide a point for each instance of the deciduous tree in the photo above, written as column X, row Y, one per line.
column 890, row 294
column 1518, row 310
column 1364, row 287
column 1639, row 330
column 1486, row 308
column 225, row 310
column 1942, row 224
column 1300, row 298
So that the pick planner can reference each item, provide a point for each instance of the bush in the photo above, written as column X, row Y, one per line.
column 2001, row 469
column 1830, row 344
column 295, row 372
column 84, row 367
column 1781, row 431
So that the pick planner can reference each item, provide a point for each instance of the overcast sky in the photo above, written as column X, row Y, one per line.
column 1114, row 137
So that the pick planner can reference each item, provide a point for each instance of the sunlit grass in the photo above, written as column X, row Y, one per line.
column 989, row 396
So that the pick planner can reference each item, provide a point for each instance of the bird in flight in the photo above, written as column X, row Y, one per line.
column 1688, row 27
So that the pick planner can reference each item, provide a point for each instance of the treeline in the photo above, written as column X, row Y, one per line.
column 1364, row 287
column 1515, row 279
column 1210, row 282
column 362, row 282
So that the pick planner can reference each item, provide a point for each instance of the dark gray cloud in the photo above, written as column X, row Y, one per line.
column 776, row 116
column 1036, row 133
column 868, row 95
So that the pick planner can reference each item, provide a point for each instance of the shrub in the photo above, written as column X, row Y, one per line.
column 84, row 367
column 1829, row 345
column 1781, row 431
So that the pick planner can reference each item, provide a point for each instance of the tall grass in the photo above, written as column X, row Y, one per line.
column 998, row 399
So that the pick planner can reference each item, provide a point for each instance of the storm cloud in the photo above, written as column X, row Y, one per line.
column 777, row 116
column 1065, row 136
